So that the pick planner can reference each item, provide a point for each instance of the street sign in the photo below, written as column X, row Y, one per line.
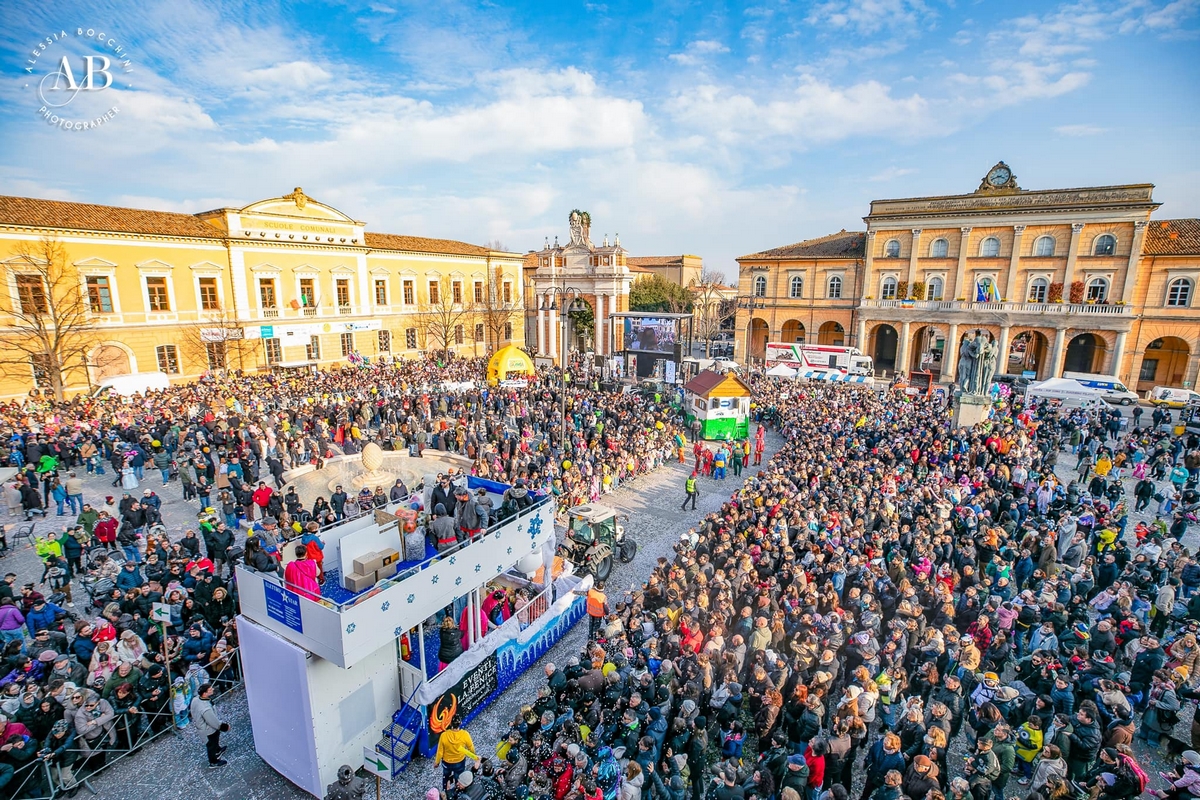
column 376, row 763
column 160, row 612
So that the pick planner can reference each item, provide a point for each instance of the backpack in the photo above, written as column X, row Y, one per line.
column 1143, row 780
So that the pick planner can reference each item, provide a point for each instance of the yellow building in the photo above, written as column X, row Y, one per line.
column 282, row 282
column 1078, row 280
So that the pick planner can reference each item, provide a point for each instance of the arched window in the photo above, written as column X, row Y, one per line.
column 760, row 286
column 989, row 247
column 935, row 289
column 796, row 286
column 1044, row 246
column 1097, row 290
column 1039, row 290
column 1105, row 245
column 834, row 290
column 888, row 289
column 892, row 248
column 1179, row 293
column 938, row 248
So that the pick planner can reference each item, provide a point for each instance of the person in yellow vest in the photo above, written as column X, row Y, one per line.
column 597, row 609
column 689, row 486
column 454, row 748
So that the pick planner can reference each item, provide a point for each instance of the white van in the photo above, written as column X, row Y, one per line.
column 1171, row 397
column 135, row 383
column 1114, row 391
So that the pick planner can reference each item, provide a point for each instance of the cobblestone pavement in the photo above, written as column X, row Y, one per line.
column 174, row 767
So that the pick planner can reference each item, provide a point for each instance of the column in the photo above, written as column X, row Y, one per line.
column 552, row 328
column 1011, row 293
column 912, row 259
column 1135, row 257
column 1058, row 353
column 867, row 289
column 960, row 271
column 860, row 335
column 1002, row 352
column 1118, row 355
column 1072, row 254
column 950, row 356
column 541, row 324
column 902, row 348
column 599, row 346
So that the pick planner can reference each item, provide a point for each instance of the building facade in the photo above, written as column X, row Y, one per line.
column 1065, row 280
column 287, row 281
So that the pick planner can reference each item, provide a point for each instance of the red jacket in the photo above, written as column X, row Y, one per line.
column 262, row 496
column 106, row 530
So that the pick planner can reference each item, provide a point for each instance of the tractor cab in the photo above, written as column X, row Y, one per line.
column 594, row 535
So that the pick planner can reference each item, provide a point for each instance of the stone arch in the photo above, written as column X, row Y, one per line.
column 582, row 325
column 109, row 359
column 1028, row 350
column 927, row 348
column 883, row 345
column 759, row 335
column 792, row 332
column 1085, row 352
column 1165, row 363
column 831, row 333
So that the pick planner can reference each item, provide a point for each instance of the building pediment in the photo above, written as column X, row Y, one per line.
column 94, row 263
column 154, row 263
column 297, row 205
column 206, row 266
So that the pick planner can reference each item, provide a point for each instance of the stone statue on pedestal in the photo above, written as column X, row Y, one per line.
column 988, row 354
column 968, row 361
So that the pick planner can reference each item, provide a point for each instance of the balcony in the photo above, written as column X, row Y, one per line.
column 1002, row 307
column 345, row 309
column 270, row 312
column 309, row 311
column 345, row 627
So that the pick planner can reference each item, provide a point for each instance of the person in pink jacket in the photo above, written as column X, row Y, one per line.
column 301, row 575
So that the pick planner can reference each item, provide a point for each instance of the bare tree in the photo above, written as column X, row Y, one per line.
column 46, row 325
column 441, row 317
column 497, row 309
column 218, row 341
column 712, row 276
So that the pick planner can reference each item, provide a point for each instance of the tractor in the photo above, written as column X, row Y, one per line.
column 594, row 535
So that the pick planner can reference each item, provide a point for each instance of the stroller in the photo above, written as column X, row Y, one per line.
column 98, row 587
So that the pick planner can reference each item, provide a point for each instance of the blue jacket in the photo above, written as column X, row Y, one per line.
column 129, row 579
column 196, row 648
column 42, row 620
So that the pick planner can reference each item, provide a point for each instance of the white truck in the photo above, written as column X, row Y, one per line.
column 828, row 357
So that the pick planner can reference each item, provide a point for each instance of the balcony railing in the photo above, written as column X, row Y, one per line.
column 1012, row 308
column 270, row 312
column 345, row 309
column 310, row 311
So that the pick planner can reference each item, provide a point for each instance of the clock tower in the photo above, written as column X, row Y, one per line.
column 999, row 178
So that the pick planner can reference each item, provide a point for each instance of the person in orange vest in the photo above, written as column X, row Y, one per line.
column 597, row 609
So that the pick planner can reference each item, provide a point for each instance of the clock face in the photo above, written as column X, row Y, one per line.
column 999, row 176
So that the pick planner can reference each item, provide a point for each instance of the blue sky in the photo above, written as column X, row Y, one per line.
column 710, row 128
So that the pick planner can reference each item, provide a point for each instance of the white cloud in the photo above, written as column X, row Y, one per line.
column 1080, row 130
column 891, row 173
column 870, row 16
column 697, row 51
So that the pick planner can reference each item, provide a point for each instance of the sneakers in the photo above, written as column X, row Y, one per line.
column 220, row 762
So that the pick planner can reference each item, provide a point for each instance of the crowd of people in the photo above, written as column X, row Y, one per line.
column 892, row 608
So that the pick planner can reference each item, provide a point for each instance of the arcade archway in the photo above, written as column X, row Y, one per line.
column 884, row 342
column 1085, row 353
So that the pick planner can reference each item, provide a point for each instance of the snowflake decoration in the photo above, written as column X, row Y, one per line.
column 434, row 579
column 399, row 631
column 453, row 559
column 497, row 569
column 350, row 628
column 535, row 526
column 458, row 580
column 478, row 567
column 386, row 605
column 510, row 551
column 412, row 597
column 520, row 527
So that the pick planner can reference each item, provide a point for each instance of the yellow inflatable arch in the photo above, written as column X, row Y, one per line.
column 509, row 363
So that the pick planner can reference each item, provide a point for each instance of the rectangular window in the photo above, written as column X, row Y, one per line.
column 267, row 299
column 458, row 334
column 208, row 295
column 274, row 351
column 99, row 295
column 1149, row 370
column 31, row 292
column 507, row 331
column 410, row 338
column 347, row 343
column 381, row 292
column 385, row 341
column 308, row 297
column 312, row 350
column 40, row 364
column 478, row 291
column 435, row 294
column 409, row 293
column 168, row 359
column 479, row 331
column 507, row 292
column 456, row 292
column 216, row 355
column 157, row 294
column 343, row 295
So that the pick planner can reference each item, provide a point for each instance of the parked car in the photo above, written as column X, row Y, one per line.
column 1171, row 397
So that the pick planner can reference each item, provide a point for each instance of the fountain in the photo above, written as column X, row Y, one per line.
column 373, row 467
column 373, row 473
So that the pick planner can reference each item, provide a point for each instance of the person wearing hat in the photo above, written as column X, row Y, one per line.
column 59, row 752
column 1184, row 781
column 466, row 515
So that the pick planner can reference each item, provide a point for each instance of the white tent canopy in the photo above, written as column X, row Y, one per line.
column 781, row 371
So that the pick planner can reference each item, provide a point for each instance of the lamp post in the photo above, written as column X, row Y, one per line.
column 565, row 299
column 751, row 303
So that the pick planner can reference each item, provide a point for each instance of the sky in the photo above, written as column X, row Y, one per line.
column 717, row 129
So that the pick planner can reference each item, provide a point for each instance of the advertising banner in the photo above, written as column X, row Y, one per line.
column 463, row 697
